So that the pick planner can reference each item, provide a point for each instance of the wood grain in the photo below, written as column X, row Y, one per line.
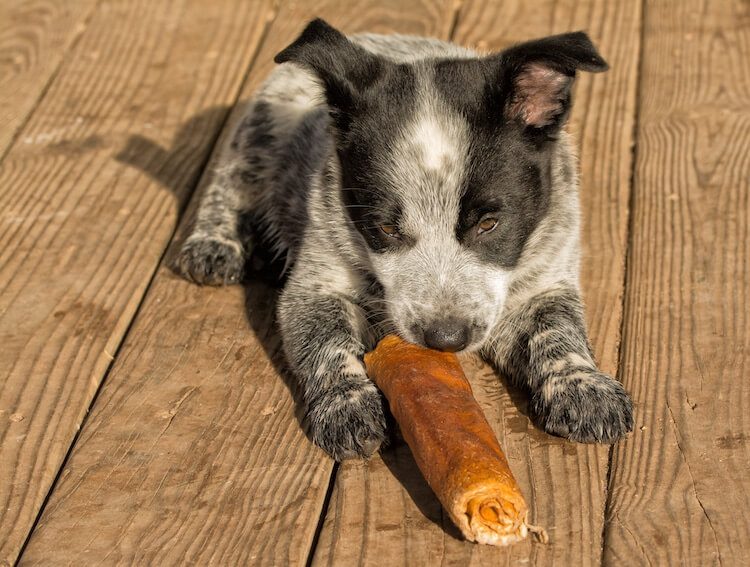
column 194, row 452
column 382, row 512
column 680, row 487
column 81, row 233
column 34, row 37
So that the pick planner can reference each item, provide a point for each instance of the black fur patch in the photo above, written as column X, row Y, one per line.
column 514, row 103
column 346, row 69
column 509, row 180
column 508, row 170
column 371, row 132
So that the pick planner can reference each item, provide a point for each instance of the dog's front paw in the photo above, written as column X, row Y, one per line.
column 211, row 260
column 587, row 407
column 347, row 420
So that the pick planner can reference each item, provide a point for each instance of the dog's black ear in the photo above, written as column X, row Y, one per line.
column 345, row 68
column 538, row 76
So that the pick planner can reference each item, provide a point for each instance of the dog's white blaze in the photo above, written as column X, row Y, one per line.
column 435, row 142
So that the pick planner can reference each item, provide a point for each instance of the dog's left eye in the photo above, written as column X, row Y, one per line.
column 486, row 225
column 390, row 230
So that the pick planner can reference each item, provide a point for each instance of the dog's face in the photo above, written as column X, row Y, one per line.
column 445, row 170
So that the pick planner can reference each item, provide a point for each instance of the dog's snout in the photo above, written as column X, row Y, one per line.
column 449, row 335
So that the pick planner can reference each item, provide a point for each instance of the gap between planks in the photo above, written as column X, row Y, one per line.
column 22, row 115
column 165, row 287
column 629, row 235
column 49, row 427
column 270, row 16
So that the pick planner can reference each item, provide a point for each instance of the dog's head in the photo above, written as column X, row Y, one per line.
column 445, row 168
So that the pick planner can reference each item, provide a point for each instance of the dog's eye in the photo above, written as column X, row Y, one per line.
column 486, row 225
column 390, row 230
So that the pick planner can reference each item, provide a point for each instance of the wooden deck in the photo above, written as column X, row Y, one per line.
column 146, row 420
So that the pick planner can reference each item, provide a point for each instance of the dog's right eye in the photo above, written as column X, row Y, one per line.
column 486, row 225
column 390, row 230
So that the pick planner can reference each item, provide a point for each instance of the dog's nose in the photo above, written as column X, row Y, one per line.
column 449, row 335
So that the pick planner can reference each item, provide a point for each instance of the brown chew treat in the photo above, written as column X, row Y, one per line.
column 451, row 440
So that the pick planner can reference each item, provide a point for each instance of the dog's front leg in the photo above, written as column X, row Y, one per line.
column 324, row 339
column 543, row 346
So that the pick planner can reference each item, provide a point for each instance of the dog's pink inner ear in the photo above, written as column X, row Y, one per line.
column 538, row 95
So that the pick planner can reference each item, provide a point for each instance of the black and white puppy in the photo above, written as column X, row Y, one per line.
column 414, row 187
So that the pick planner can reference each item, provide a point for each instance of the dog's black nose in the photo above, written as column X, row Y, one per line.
column 449, row 335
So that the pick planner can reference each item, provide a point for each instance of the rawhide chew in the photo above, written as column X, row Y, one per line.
column 452, row 443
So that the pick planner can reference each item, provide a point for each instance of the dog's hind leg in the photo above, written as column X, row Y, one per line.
column 216, row 250
column 213, row 253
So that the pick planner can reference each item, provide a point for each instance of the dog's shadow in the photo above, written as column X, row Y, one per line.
column 263, row 281
column 263, row 284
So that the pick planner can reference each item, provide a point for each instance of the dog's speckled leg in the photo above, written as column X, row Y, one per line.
column 543, row 346
column 324, row 341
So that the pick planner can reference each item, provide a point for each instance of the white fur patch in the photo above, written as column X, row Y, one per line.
column 575, row 359
column 550, row 366
column 352, row 365
column 500, row 282
column 560, row 383
column 437, row 147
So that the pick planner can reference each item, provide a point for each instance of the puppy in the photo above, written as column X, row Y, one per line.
column 416, row 187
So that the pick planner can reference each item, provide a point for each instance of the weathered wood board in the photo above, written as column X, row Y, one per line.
column 680, row 488
column 81, row 233
column 35, row 36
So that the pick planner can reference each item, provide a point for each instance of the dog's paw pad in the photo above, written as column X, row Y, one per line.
column 211, row 261
column 348, row 425
column 588, row 407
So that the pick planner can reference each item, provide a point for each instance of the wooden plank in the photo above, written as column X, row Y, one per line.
column 82, row 233
column 681, row 492
column 34, row 38
column 382, row 512
column 194, row 451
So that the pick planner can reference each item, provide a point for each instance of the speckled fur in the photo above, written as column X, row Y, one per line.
column 282, row 176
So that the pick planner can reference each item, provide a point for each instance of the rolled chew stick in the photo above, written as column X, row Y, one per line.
column 451, row 440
